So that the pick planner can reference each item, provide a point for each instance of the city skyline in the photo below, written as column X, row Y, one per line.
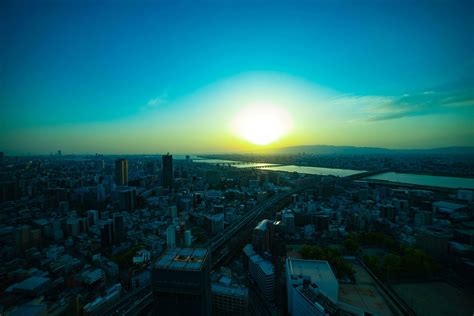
column 153, row 77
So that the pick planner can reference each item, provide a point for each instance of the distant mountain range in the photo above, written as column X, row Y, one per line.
column 353, row 150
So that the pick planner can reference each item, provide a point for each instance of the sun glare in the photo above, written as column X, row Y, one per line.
column 261, row 124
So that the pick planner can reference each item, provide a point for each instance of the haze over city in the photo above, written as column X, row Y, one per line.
column 208, row 76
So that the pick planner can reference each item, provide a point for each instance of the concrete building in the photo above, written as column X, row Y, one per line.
column 181, row 282
column 262, row 236
column 434, row 241
column 121, row 172
column 229, row 300
column 263, row 273
column 312, row 287
column 288, row 220
column 93, row 276
column 167, row 171
column 107, row 234
column 119, row 229
column 188, row 238
column 171, row 237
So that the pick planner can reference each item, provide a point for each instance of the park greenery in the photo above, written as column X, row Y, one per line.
column 399, row 261
column 125, row 259
column 342, row 268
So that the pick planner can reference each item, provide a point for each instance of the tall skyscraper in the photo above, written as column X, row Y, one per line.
column 181, row 282
column 107, row 234
column 119, row 229
column 188, row 238
column 121, row 172
column 167, row 171
column 170, row 237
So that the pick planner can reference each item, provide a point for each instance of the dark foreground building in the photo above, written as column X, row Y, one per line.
column 167, row 171
column 181, row 282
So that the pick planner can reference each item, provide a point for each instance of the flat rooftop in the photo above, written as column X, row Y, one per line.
column 229, row 290
column 318, row 270
column 183, row 259
column 449, row 205
column 30, row 284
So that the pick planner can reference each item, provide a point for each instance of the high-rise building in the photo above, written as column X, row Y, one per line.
column 230, row 300
column 173, row 211
column 181, row 282
column 121, row 172
column 263, row 273
column 72, row 227
column 262, row 236
column 171, row 237
column 188, row 238
column 107, row 234
column 93, row 216
column 288, row 220
column 126, row 198
column 167, row 171
column 119, row 229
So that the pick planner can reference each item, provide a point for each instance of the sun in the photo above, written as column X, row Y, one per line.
column 261, row 123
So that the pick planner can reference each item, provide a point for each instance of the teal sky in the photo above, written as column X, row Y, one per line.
column 158, row 76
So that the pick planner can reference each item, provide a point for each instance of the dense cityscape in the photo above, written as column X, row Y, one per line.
column 186, row 235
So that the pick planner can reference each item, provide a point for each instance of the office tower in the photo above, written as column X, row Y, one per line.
column 229, row 300
column 312, row 287
column 262, row 236
column 167, row 171
column 188, row 238
column 126, row 198
column 288, row 220
column 22, row 237
column 170, row 237
column 83, row 224
column 93, row 216
column 59, row 153
column 263, row 273
column 2, row 155
column 173, row 211
column 100, row 192
column 72, row 227
column 119, row 229
column 181, row 282
column 107, row 234
column 121, row 172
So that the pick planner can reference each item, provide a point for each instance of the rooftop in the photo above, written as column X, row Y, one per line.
column 266, row 266
column 318, row 272
column 183, row 259
column 449, row 205
column 30, row 284
column 229, row 290
column 317, row 269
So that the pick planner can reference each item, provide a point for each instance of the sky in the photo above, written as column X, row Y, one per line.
column 174, row 76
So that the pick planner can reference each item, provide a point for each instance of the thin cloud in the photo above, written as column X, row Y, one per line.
column 156, row 102
column 380, row 108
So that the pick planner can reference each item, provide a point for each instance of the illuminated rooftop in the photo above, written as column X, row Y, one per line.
column 183, row 259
